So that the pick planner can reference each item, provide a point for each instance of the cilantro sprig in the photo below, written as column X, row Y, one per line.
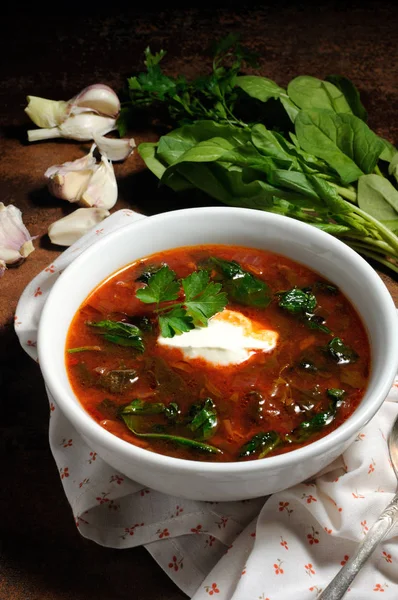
column 200, row 300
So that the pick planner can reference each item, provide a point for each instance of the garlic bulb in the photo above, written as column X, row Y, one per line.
column 115, row 149
column 15, row 239
column 98, row 98
column 68, row 230
column 74, row 119
column 82, row 127
column 84, row 181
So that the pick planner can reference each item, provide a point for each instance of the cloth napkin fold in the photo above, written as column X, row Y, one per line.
column 289, row 545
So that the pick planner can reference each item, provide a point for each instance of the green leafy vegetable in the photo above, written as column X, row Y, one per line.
column 161, row 286
column 261, row 444
column 379, row 198
column 143, row 407
column 118, row 381
column 296, row 301
column 84, row 349
column 119, row 333
column 309, row 92
column 129, row 420
column 240, row 285
column 341, row 353
column 336, row 394
column 314, row 174
column 205, row 421
column 203, row 299
column 174, row 322
column 351, row 95
column 345, row 142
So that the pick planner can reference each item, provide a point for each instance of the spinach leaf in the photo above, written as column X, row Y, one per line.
column 129, row 420
column 263, row 89
column 261, row 443
column 118, row 381
column 143, row 407
column 389, row 151
column 84, row 349
column 336, row 394
column 204, row 424
column 240, row 285
column 393, row 166
column 307, row 428
column 345, row 142
column 351, row 94
column 378, row 197
column 122, row 334
column 309, row 92
column 296, row 301
column 341, row 353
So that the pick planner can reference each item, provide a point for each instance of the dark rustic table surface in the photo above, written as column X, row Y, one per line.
column 42, row 555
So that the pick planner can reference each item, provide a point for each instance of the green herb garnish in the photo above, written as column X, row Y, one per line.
column 296, row 301
column 122, row 334
column 203, row 299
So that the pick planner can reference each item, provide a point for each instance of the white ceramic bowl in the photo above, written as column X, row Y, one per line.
column 243, row 227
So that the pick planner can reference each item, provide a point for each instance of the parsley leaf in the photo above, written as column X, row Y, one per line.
column 174, row 322
column 162, row 286
column 117, row 332
column 202, row 299
column 242, row 286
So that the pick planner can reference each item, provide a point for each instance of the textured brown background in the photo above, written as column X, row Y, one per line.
column 42, row 556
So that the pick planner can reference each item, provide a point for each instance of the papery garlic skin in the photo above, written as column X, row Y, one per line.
column 15, row 239
column 46, row 113
column 102, row 189
column 69, row 180
column 82, row 127
column 99, row 98
column 68, row 230
column 115, row 149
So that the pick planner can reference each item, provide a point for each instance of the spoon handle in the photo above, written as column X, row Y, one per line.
column 340, row 583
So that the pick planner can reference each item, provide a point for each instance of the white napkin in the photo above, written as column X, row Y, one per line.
column 288, row 546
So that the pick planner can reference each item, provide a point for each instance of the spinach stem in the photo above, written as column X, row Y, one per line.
column 345, row 192
column 364, row 250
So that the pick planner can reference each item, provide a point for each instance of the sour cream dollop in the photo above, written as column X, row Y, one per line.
column 229, row 339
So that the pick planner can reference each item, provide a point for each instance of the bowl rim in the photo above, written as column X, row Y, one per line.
column 88, row 427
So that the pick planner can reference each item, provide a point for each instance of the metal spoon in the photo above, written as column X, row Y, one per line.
column 340, row 583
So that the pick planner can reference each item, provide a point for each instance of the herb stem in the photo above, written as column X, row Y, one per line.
column 345, row 192
column 362, row 249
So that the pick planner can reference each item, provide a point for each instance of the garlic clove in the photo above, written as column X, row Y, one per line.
column 115, row 149
column 15, row 239
column 102, row 189
column 82, row 127
column 9, row 255
column 2, row 267
column 69, row 180
column 98, row 98
column 69, row 229
column 46, row 113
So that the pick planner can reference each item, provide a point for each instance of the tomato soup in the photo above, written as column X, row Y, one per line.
column 218, row 353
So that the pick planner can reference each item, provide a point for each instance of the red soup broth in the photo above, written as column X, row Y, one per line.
column 272, row 403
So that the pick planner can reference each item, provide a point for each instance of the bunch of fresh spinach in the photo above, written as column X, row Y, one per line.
column 328, row 168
